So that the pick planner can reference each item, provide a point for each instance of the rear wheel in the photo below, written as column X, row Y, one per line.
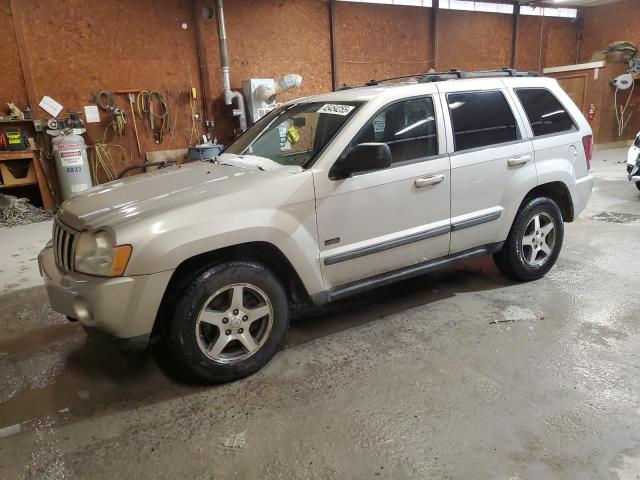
column 534, row 242
column 228, row 322
column 638, row 185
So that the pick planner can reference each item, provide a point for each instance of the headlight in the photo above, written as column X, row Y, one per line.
column 97, row 255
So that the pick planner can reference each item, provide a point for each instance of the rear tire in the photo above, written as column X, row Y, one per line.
column 534, row 242
column 228, row 322
column 638, row 185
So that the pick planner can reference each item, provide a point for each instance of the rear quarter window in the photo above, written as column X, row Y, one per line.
column 545, row 113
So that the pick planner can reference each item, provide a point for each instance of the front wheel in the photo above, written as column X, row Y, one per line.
column 534, row 242
column 638, row 185
column 228, row 322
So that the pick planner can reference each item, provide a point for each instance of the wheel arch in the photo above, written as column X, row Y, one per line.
column 264, row 253
column 558, row 192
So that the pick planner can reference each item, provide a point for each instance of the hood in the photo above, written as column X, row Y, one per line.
column 125, row 200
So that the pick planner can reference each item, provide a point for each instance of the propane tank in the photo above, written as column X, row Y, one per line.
column 70, row 156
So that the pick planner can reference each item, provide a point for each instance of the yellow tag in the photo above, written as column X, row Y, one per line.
column 194, row 93
column 292, row 135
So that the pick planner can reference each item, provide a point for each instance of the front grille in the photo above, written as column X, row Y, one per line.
column 64, row 244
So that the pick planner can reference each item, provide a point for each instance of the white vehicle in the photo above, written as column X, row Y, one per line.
column 324, row 197
column 633, row 162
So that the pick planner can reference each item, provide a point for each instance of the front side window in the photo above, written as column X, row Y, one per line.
column 481, row 119
column 294, row 134
column 546, row 114
column 407, row 127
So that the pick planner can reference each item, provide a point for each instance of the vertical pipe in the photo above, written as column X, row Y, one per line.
column 579, row 33
column 203, row 76
column 224, row 55
column 229, row 94
column 515, row 24
column 541, row 55
column 332, row 42
column 436, row 9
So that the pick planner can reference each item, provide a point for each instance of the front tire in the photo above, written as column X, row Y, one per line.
column 534, row 242
column 228, row 322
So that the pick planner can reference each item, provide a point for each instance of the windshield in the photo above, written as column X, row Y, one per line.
column 294, row 134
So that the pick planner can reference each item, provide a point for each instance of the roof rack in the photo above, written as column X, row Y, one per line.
column 456, row 74
column 451, row 75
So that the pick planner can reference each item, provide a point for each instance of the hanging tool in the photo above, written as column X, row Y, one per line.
column 155, row 108
column 131, row 94
column 105, row 102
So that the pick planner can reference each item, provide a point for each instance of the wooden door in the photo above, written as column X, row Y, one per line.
column 575, row 86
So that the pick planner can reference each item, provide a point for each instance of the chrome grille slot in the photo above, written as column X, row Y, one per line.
column 64, row 240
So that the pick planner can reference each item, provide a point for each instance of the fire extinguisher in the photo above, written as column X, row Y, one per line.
column 591, row 113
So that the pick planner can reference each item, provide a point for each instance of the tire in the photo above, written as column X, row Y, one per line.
column 638, row 185
column 529, row 253
column 218, row 309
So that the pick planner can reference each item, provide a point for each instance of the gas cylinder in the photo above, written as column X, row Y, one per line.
column 72, row 165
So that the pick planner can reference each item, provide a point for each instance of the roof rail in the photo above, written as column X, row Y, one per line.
column 452, row 75
column 456, row 74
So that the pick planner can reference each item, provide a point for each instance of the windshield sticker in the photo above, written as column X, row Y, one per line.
column 336, row 109
column 285, row 144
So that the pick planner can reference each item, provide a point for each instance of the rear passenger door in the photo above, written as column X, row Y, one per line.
column 492, row 163
column 557, row 141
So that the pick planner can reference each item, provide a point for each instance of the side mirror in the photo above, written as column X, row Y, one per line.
column 364, row 157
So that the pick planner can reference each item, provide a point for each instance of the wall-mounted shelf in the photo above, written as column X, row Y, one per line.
column 30, row 184
column 35, row 176
column 13, row 122
column 9, row 155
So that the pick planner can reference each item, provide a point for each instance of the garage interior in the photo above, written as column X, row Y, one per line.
column 460, row 373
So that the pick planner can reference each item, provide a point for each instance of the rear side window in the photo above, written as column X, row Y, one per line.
column 481, row 119
column 546, row 114
column 408, row 127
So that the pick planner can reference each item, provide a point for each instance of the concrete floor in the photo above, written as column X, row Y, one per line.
column 459, row 374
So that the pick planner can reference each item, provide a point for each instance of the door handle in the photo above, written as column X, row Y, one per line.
column 430, row 180
column 515, row 161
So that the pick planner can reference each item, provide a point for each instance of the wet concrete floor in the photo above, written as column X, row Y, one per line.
column 458, row 374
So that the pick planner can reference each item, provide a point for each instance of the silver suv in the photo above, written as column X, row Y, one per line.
column 323, row 198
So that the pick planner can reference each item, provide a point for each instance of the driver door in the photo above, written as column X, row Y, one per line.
column 379, row 221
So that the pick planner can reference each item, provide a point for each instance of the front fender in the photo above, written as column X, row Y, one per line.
column 160, row 246
column 164, row 241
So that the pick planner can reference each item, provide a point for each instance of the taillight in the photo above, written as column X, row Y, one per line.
column 587, row 143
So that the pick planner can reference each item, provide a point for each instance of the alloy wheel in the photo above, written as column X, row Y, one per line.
column 234, row 323
column 538, row 240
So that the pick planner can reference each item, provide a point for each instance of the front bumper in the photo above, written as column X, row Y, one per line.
column 125, row 307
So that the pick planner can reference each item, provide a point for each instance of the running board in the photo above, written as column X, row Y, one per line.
column 404, row 273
